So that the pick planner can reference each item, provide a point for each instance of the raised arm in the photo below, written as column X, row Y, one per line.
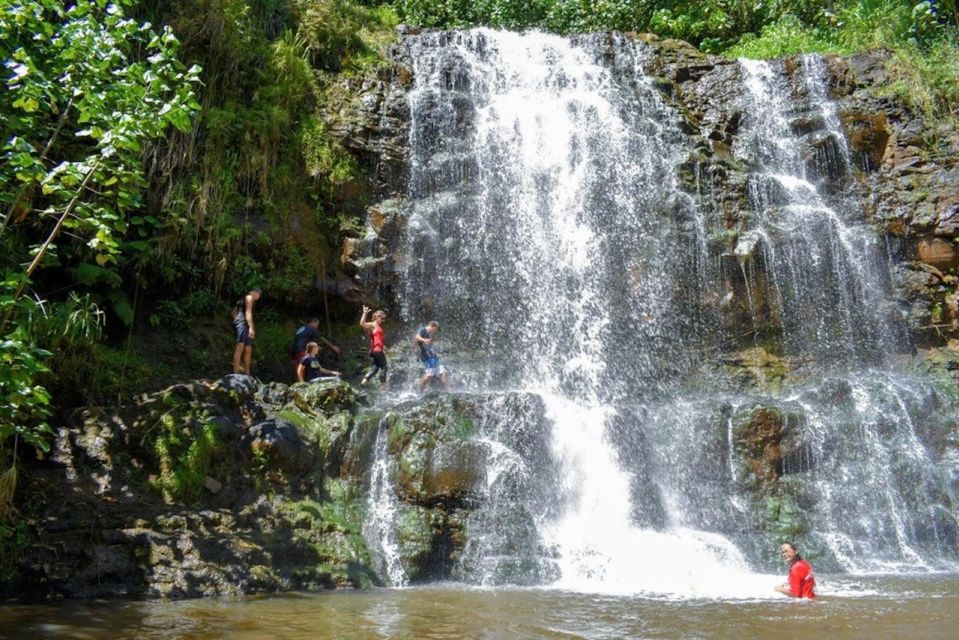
column 367, row 326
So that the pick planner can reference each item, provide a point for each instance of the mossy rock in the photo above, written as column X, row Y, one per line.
column 426, row 542
column 325, row 396
column 765, row 437
column 436, row 459
column 760, row 368
column 235, row 390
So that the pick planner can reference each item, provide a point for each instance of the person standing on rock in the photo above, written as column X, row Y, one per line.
column 310, row 368
column 431, row 362
column 307, row 333
column 245, row 331
column 374, row 329
column 801, row 582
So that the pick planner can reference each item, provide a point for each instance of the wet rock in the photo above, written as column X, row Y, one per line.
column 938, row 253
column 236, row 389
column 868, row 136
column 325, row 396
column 213, row 485
column 430, row 541
column 227, row 428
column 280, row 443
column 823, row 157
column 747, row 244
column 761, row 433
column 756, row 367
column 446, row 472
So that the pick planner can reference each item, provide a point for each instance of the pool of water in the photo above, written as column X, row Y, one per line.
column 924, row 607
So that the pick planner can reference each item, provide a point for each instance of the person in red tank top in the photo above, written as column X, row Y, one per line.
column 377, row 344
column 802, row 582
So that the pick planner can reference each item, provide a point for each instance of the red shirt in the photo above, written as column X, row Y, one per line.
column 801, row 580
column 377, row 341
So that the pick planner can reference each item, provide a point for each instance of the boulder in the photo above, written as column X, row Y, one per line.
column 235, row 389
column 280, row 443
column 325, row 396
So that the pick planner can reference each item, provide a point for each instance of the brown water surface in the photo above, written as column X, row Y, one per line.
column 877, row 607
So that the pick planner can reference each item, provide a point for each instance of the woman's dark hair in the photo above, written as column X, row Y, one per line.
column 794, row 548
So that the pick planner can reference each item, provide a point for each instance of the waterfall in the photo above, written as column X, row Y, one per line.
column 828, row 276
column 548, row 230
column 380, row 525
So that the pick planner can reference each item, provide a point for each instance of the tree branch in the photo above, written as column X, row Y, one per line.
column 46, row 244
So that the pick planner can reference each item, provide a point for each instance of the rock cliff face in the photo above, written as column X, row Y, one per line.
column 801, row 225
column 239, row 487
column 202, row 489
column 904, row 175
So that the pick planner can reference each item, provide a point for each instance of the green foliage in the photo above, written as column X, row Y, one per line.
column 924, row 71
column 786, row 36
column 927, row 77
column 713, row 25
column 177, row 314
column 106, row 374
column 85, row 88
column 270, row 164
column 77, row 108
column 334, row 527
column 186, row 457
column 24, row 403
column 324, row 156
column 14, row 536
column 574, row 16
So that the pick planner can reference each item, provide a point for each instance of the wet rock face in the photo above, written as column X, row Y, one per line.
column 902, row 172
column 279, row 443
column 202, row 489
column 236, row 487
column 463, row 513
column 758, row 436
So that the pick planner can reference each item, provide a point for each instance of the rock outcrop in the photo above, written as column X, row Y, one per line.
column 202, row 489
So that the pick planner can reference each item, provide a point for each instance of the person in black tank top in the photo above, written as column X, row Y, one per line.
column 245, row 332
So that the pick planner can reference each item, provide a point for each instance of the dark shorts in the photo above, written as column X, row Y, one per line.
column 243, row 334
column 296, row 360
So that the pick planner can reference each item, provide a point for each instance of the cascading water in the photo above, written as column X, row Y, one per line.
column 380, row 525
column 548, row 230
column 828, row 276
column 539, row 177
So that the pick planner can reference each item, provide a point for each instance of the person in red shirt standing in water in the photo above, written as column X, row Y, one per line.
column 802, row 582
column 377, row 344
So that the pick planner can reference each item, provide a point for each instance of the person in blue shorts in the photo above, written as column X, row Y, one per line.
column 431, row 361
column 245, row 332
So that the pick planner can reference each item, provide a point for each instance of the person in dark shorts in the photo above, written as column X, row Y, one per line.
column 802, row 582
column 309, row 332
column 431, row 361
column 245, row 331
column 310, row 368
column 374, row 329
